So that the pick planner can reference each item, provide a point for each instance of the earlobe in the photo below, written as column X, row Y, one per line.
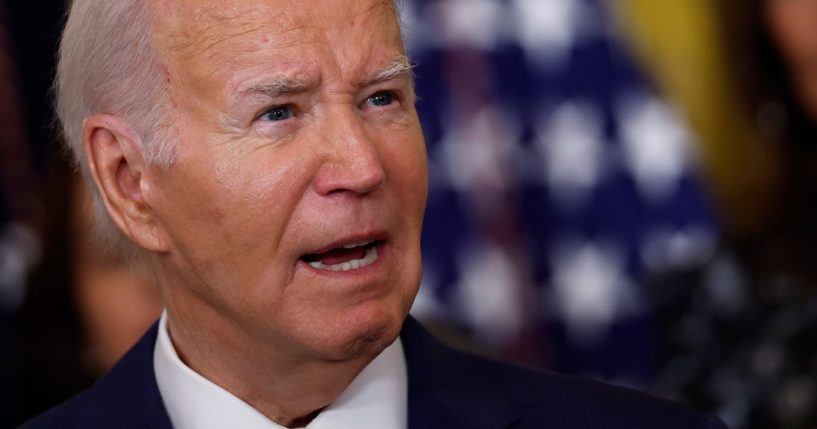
column 117, row 164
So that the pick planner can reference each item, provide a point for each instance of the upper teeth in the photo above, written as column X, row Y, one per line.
column 352, row 246
column 368, row 258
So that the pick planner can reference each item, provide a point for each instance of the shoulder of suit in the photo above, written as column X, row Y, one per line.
column 127, row 397
column 542, row 396
column 74, row 413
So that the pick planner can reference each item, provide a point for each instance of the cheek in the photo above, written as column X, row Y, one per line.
column 407, row 167
column 244, row 203
column 262, row 185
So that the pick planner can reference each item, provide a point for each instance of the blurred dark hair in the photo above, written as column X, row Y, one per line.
column 772, row 107
column 761, row 75
column 53, row 367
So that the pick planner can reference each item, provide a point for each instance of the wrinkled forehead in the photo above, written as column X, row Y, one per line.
column 194, row 28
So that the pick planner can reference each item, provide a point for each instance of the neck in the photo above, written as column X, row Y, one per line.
column 288, row 388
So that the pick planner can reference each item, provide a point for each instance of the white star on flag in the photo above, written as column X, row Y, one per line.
column 656, row 146
column 570, row 147
column 547, row 29
column 590, row 290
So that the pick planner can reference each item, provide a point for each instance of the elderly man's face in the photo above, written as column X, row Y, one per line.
column 295, row 205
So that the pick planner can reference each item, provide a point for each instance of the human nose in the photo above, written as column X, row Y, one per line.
column 352, row 162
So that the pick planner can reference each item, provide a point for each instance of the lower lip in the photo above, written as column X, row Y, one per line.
column 382, row 251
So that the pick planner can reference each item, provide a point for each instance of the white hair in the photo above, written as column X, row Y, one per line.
column 107, row 64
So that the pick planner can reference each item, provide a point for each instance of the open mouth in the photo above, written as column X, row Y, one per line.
column 344, row 258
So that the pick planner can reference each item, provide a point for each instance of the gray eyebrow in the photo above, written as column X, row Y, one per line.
column 276, row 87
column 282, row 85
column 400, row 67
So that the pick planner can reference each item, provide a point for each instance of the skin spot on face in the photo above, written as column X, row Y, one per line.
column 209, row 266
column 163, row 70
column 217, row 214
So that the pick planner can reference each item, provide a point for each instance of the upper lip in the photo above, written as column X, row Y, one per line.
column 348, row 240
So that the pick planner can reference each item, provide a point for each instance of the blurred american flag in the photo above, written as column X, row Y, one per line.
column 559, row 182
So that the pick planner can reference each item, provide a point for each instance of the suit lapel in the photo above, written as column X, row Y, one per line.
column 447, row 390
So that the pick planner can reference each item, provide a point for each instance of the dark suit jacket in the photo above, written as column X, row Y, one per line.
column 447, row 389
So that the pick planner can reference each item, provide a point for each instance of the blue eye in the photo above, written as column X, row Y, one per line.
column 381, row 99
column 278, row 113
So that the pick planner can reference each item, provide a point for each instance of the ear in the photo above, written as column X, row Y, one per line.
column 117, row 164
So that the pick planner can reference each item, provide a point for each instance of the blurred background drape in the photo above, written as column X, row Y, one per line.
column 620, row 190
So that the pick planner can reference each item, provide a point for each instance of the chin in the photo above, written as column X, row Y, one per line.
column 363, row 332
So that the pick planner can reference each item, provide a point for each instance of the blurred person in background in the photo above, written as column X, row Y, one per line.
column 774, row 53
column 84, row 307
column 739, row 338
column 69, row 308
column 20, row 218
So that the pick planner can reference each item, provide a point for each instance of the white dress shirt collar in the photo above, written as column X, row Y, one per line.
column 376, row 399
